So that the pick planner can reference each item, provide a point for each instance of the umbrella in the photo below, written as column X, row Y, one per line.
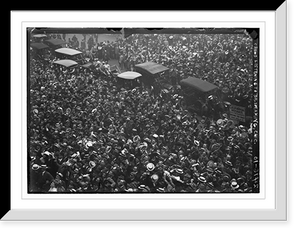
column 129, row 75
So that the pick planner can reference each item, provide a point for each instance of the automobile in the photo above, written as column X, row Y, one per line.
column 72, row 54
column 150, row 71
column 128, row 79
column 55, row 43
column 202, row 97
column 39, row 50
column 201, row 88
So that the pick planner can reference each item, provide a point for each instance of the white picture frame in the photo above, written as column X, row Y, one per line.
column 270, row 204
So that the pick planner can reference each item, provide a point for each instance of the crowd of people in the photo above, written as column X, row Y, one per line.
column 88, row 135
column 223, row 59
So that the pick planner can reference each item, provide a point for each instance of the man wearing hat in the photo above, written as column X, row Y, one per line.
column 40, row 179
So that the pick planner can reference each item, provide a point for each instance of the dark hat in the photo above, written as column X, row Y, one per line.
column 210, row 170
column 226, row 178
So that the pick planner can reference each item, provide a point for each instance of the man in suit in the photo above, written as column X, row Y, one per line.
column 40, row 179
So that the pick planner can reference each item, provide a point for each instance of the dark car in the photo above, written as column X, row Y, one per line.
column 201, row 96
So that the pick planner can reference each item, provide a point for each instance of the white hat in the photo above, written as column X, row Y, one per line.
column 202, row 179
column 136, row 138
column 234, row 185
column 92, row 164
column 35, row 167
column 124, row 151
column 219, row 122
column 178, row 170
column 150, row 166
column 89, row 144
column 108, row 149
column 154, row 177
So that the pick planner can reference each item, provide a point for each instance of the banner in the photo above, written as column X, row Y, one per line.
column 237, row 113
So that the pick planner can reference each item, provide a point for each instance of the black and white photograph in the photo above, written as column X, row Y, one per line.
column 131, row 116
column 142, row 110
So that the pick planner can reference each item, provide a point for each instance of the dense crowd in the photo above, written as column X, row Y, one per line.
column 225, row 60
column 88, row 135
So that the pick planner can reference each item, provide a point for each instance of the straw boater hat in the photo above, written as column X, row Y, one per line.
column 136, row 138
column 92, row 164
column 161, row 190
column 234, row 185
column 150, row 166
column 124, row 151
column 219, row 122
column 228, row 163
column 154, row 177
column 108, row 149
column 143, row 145
column 144, row 188
column 179, row 170
column 202, row 179
column 35, row 167
column 230, row 138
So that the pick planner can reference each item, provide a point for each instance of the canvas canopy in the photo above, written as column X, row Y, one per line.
column 68, row 51
column 38, row 46
column 129, row 75
column 151, row 67
column 39, row 35
column 66, row 62
column 198, row 84
column 55, row 42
